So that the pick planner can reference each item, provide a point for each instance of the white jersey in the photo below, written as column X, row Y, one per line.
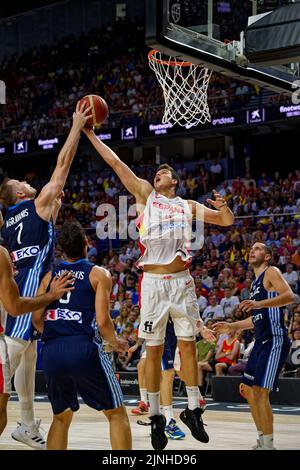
column 165, row 230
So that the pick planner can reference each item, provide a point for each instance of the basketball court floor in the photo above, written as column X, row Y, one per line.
column 229, row 426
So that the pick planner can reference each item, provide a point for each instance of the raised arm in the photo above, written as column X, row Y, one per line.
column 46, row 199
column 101, row 281
column 10, row 295
column 138, row 187
column 221, row 215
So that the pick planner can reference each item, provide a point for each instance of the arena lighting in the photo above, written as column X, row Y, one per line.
column 106, row 136
column 47, row 144
column 159, row 129
column 21, row 147
column 290, row 111
column 129, row 133
column 223, row 121
column 256, row 116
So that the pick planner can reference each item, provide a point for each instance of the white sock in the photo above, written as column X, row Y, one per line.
column 260, row 437
column 27, row 413
column 193, row 397
column 168, row 412
column 143, row 393
column 268, row 440
column 154, row 400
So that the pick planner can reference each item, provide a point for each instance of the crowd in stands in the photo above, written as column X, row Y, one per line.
column 266, row 209
column 44, row 83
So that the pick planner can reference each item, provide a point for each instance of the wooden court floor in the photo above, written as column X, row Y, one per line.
column 227, row 430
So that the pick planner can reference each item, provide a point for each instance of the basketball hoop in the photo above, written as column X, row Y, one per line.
column 184, row 86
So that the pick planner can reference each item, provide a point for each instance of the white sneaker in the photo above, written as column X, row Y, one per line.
column 257, row 445
column 266, row 448
column 30, row 435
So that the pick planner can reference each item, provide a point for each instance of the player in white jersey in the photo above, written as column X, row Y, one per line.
column 167, row 287
column 16, row 305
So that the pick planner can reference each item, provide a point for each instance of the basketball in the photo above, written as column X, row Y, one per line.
column 99, row 109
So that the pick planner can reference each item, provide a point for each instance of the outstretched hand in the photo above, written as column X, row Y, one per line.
column 218, row 202
column 248, row 305
column 81, row 115
column 222, row 327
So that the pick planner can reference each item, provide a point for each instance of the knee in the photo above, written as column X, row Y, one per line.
column 64, row 419
column 154, row 352
column 140, row 366
column 257, row 393
column 118, row 414
column 168, row 375
column 260, row 393
column 187, row 347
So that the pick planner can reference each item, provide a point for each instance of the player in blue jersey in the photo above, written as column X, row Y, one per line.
column 16, row 305
column 73, row 357
column 28, row 233
column 269, row 293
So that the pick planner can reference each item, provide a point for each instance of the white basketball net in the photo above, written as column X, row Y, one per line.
column 185, row 89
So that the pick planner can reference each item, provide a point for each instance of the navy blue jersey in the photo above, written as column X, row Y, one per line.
column 30, row 242
column 29, row 238
column 268, row 322
column 74, row 313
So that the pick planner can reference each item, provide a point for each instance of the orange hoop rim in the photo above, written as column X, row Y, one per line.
column 172, row 63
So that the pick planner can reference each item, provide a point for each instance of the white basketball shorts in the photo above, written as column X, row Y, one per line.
column 164, row 295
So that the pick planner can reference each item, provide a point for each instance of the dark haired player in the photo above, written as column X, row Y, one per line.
column 73, row 357
column 269, row 293
column 167, row 288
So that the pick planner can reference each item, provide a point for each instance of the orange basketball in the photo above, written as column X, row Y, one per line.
column 99, row 109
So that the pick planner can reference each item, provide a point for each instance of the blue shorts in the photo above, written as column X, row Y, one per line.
column 77, row 364
column 266, row 361
column 167, row 361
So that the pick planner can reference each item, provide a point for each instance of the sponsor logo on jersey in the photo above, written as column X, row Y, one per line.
column 255, row 292
column 257, row 317
column 167, row 207
column 17, row 218
column 26, row 252
column 63, row 314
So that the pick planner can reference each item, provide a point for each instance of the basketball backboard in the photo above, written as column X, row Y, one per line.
column 208, row 32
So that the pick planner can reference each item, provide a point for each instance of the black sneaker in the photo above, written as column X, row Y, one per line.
column 193, row 420
column 158, row 438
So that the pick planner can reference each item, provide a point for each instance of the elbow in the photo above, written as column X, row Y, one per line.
column 103, row 323
column 14, row 312
column 291, row 298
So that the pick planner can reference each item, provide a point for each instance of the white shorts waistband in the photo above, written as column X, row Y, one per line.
column 167, row 276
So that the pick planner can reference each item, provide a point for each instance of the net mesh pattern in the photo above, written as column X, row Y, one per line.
column 184, row 88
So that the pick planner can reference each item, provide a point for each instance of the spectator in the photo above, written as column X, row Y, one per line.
column 227, row 354
column 229, row 302
column 240, row 367
column 206, row 279
column 205, row 353
column 291, row 277
column 213, row 311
